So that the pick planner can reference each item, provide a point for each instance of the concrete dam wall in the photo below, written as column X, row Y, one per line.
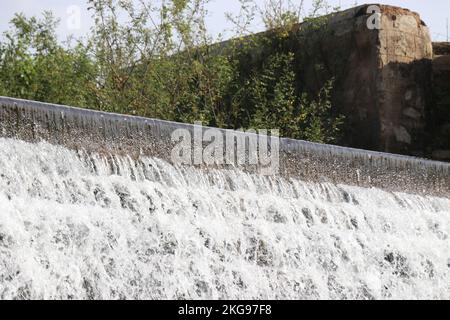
column 92, row 208
column 106, row 133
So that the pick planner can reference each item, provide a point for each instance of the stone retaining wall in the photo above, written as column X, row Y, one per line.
column 439, row 122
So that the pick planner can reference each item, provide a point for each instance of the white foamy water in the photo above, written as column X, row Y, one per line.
column 89, row 227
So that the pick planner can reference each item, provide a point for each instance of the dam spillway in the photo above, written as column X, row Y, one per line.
column 92, row 208
column 115, row 134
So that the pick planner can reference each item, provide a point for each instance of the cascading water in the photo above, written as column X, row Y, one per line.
column 79, row 225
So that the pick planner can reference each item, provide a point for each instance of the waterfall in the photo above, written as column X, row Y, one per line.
column 95, row 131
column 76, row 224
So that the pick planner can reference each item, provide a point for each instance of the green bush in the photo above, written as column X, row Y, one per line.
column 160, row 61
column 34, row 66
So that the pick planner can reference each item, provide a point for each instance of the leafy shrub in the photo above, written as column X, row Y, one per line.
column 160, row 61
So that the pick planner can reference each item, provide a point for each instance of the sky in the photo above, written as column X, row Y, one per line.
column 433, row 12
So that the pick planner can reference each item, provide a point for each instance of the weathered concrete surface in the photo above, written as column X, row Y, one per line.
column 382, row 76
column 439, row 122
column 106, row 133
column 404, row 87
column 386, row 87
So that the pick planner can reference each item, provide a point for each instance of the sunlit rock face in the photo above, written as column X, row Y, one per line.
column 75, row 225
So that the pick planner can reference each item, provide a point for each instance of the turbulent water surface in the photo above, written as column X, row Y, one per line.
column 74, row 225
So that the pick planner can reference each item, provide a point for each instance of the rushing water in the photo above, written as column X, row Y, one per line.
column 74, row 225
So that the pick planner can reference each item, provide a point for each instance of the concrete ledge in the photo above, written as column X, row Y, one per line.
column 108, row 133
